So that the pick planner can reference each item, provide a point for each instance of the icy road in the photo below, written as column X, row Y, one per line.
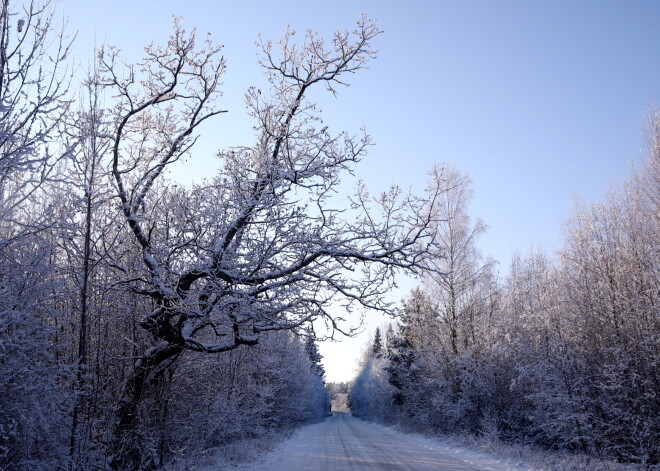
column 343, row 443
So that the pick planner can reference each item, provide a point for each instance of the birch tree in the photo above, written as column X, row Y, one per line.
column 459, row 285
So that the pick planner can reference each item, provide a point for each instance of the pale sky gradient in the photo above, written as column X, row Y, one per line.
column 540, row 102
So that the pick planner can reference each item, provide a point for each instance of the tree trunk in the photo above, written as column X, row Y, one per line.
column 125, row 452
column 82, row 334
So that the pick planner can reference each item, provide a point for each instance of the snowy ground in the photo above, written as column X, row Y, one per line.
column 344, row 443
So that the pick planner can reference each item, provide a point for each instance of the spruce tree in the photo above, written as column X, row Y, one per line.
column 314, row 357
column 377, row 348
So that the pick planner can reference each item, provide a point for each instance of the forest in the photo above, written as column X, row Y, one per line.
column 561, row 354
column 145, row 323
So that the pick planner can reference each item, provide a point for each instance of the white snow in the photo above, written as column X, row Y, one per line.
column 343, row 443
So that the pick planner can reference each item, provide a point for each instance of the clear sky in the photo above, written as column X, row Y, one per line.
column 540, row 102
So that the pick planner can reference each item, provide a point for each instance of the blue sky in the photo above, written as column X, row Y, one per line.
column 540, row 102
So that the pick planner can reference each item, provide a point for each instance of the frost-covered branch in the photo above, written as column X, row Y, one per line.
column 265, row 245
column 34, row 99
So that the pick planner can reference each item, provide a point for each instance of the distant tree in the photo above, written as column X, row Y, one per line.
column 457, row 284
column 339, row 396
column 370, row 395
column 315, row 357
column 377, row 347
column 389, row 338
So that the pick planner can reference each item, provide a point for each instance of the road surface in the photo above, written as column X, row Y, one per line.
column 343, row 443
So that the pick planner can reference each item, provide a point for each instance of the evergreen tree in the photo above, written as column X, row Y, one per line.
column 401, row 357
column 314, row 357
column 389, row 339
column 377, row 348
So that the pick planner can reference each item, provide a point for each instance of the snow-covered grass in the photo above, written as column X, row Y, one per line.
column 231, row 456
column 532, row 458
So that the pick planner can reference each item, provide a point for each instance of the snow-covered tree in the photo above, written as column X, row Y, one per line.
column 560, row 355
column 371, row 394
column 610, row 266
column 33, row 405
column 339, row 396
column 33, row 100
column 377, row 347
column 262, row 246
column 459, row 285
column 315, row 357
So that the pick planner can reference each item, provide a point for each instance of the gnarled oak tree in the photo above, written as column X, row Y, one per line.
column 264, row 245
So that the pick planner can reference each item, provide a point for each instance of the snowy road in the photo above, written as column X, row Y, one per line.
column 343, row 443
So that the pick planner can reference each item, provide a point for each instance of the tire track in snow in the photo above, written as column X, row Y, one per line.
column 344, row 443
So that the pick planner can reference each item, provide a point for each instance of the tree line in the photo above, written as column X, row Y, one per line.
column 562, row 354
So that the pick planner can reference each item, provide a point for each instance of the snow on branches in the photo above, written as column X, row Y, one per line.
column 263, row 247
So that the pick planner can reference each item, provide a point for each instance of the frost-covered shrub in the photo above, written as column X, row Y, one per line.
column 371, row 394
column 243, row 394
column 566, row 356
column 33, row 407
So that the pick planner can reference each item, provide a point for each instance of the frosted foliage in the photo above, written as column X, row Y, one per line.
column 34, row 399
column 244, row 394
column 31, row 409
column 262, row 246
column 565, row 353
column 33, row 405
column 371, row 393
column 116, row 284
column 144, row 325
column 34, row 99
